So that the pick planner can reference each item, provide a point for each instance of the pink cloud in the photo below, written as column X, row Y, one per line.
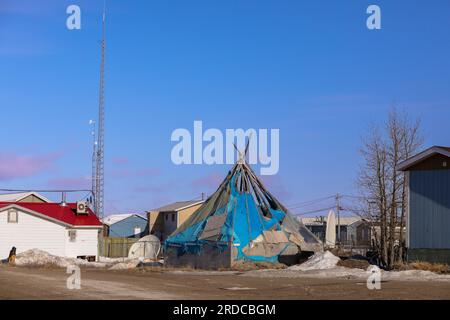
column 133, row 173
column 112, row 206
column 159, row 189
column 120, row 160
column 208, row 182
column 150, row 189
column 13, row 166
column 275, row 186
column 70, row 183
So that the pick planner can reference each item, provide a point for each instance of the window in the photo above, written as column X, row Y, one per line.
column 173, row 217
column 137, row 231
column 13, row 216
column 444, row 164
column 167, row 217
column 72, row 235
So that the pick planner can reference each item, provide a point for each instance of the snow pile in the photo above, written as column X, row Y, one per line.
column 318, row 261
column 350, row 274
column 414, row 275
column 135, row 263
column 36, row 257
column 111, row 260
column 40, row 258
column 126, row 265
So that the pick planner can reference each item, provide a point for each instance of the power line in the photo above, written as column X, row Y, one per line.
column 46, row 190
column 313, row 211
column 307, row 203
column 352, row 196
column 86, row 196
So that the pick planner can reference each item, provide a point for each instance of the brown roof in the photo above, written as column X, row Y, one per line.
column 445, row 148
column 178, row 205
column 405, row 165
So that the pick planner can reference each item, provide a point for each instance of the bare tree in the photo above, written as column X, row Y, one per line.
column 382, row 186
column 372, row 182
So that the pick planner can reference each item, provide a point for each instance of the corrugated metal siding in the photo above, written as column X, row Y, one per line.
column 430, row 209
column 125, row 228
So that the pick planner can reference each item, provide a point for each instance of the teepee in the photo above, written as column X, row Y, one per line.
column 241, row 221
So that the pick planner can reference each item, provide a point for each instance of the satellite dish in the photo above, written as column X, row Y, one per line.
column 147, row 247
column 330, row 234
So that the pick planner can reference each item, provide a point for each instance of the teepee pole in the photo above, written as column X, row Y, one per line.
column 260, row 200
column 248, row 219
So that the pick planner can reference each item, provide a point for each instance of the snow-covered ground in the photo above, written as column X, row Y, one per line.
column 36, row 257
column 349, row 273
column 324, row 265
column 320, row 265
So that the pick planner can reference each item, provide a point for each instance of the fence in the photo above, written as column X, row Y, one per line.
column 356, row 243
column 120, row 248
column 115, row 247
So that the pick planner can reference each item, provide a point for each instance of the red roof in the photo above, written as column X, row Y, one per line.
column 66, row 214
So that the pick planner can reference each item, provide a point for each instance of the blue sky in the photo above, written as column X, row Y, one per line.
column 310, row 68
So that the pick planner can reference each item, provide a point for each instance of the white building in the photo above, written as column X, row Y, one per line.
column 59, row 230
column 23, row 197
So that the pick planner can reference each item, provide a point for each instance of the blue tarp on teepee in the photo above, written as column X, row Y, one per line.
column 243, row 214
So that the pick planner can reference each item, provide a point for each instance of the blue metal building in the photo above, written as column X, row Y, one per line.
column 126, row 226
column 428, row 217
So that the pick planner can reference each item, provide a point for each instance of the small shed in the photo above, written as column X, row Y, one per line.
column 428, row 214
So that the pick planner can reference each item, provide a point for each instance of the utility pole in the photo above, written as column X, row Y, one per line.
column 338, row 207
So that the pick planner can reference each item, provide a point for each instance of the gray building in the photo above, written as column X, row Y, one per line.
column 428, row 216
column 355, row 232
column 126, row 226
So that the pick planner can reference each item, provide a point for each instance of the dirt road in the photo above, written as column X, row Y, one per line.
column 33, row 283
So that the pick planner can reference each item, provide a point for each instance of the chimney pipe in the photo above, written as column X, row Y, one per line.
column 63, row 199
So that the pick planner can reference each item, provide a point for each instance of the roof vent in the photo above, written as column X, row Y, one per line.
column 63, row 200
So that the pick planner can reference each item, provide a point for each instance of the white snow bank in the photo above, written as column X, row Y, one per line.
column 129, row 264
column 414, row 275
column 132, row 263
column 36, row 257
column 112, row 260
column 318, row 261
column 350, row 273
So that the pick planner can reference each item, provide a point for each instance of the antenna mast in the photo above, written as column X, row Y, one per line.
column 99, row 159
